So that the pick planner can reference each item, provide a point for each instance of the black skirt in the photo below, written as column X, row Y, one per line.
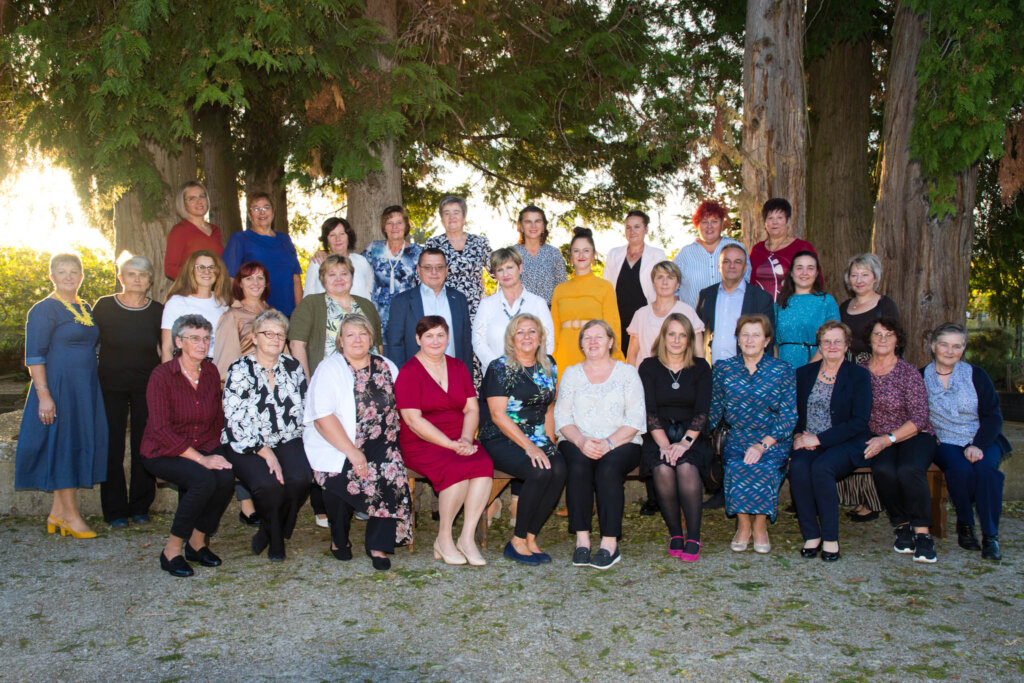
column 698, row 455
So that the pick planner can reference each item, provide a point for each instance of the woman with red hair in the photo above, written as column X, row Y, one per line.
column 698, row 262
column 234, row 332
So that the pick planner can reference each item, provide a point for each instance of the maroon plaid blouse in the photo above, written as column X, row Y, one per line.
column 180, row 416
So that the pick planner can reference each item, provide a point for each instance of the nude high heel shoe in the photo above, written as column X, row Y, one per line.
column 458, row 558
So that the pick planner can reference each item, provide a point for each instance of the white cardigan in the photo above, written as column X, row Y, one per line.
column 331, row 392
column 650, row 258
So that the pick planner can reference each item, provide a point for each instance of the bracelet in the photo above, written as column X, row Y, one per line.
column 611, row 446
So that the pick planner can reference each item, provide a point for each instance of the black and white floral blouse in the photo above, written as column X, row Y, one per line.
column 466, row 267
column 255, row 416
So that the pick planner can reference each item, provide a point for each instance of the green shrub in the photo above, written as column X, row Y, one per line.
column 991, row 350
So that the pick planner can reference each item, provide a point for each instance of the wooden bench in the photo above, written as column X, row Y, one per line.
column 936, row 484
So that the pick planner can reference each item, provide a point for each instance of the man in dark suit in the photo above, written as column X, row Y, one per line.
column 431, row 297
column 720, row 306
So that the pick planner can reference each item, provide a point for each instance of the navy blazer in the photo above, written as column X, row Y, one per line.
column 406, row 311
column 755, row 300
column 850, row 407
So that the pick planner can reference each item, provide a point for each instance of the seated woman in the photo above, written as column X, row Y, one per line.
column 904, row 444
column 964, row 409
column 833, row 401
column 181, row 444
column 756, row 395
column 802, row 307
column 440, row 414
column 351, row 440
column 518, row 430
column 645, row 327
column 264, row 395
column 677, row 393
column 600, row 416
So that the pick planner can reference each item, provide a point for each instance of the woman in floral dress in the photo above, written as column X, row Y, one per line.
column 351, row 440
column 393, row 261
column 467, row 254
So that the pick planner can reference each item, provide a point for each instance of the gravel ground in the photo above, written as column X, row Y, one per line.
column 102, row 610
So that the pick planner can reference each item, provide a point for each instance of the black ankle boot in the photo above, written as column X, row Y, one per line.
column 990, row 548
column 965, row 536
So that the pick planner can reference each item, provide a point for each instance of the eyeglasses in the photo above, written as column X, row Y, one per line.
column 276, row 336
column 195, row 339
column 261, row 209
column 205, row 269
column 434, row 269
column 883, row 336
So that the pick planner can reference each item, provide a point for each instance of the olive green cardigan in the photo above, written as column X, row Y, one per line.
column 309, row 325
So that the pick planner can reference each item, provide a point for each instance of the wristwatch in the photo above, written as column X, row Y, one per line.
column 892, row 437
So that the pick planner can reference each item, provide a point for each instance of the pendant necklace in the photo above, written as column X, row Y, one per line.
column 675, row 377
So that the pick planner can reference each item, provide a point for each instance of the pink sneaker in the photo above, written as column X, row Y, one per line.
column 691, row 557
column 672, row 550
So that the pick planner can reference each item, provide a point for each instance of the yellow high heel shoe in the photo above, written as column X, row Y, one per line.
column 53, row 524
column 66, row 530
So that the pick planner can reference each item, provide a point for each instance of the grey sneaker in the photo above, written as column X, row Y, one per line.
column 904, row 540
column 924, row 549
column 603, row 559
column 581, row 557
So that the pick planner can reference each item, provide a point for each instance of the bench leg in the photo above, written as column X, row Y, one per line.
column 412, row 508
column 937, row 486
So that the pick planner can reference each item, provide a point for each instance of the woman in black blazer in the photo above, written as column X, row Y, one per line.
column 833, row 399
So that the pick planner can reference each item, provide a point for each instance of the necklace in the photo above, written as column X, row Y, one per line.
column 943, row 374
column 81, row 316
column 827, row 378
column 675, row 377
column 195, row 382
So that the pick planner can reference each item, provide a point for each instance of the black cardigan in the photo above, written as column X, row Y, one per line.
column 990, row 416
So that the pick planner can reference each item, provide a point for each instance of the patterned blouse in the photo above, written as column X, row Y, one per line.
column 819, row 407
column 335, row 315
column 755, row 405
column 466, row 267
column 391, row 275
column 598, row 410
column 541, row 274
column 529, row 391
column 256, row 415
column 897, row 398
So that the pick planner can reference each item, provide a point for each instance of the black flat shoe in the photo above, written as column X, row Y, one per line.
column 649, row 508
column 381, row 564
column 176, row 566
column 810, row 553
column 276, row 555
column 260, row 541
column 990, row 548
column 860, row 519
column 343, row 554
column 965, row 537
column 829, row 557
column 250, row 520
column 203, row 556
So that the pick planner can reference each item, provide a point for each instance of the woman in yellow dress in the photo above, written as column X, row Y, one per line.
column 583, row 298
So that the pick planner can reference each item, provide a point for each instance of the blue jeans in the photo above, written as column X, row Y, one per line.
column 979, row 483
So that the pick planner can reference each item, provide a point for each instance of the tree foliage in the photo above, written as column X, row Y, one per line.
column 997, row 260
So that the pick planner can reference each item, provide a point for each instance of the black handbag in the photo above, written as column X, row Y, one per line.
column 716, row 475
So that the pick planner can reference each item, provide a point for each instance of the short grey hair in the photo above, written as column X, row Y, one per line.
column 949, row 328
column 190, row 321
column 730, row 245
column 138, row 263
column 271, row 315
column 359, row 320
column 179, row 199
column 452, row 199
column 869, row 261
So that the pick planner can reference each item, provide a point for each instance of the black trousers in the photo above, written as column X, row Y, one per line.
column 813, row 474
column 277, row 504
column 541, row 487
column 605, row 477
column 380, row 531
column 116, row 501
column 203, row 495
column 316, row 499
column 901, row 477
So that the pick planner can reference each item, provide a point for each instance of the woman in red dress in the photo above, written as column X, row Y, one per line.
column 440, row 414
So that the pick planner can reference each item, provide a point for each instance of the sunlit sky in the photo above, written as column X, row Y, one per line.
column 42, row 211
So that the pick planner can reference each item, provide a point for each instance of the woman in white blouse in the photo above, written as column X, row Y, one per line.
column 202, row 287
column 264, row 393
column 510, row 300
column 600, row 416
column 338, row 237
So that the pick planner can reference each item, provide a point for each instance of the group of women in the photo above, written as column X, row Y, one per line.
column 312, row 406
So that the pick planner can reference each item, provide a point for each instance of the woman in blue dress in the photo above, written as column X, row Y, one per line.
column 62, row 444
column 756, row 395
column 393, row 261
column 802, row 307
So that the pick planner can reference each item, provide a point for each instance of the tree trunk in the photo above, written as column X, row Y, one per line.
column 269, row 181
column 839, row 202
column 367, row 198
column 220, row 173
column 148, row 238
column 925, row 260
column 774, row 120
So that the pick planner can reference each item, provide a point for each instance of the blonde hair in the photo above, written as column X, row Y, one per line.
column 179, row 199
column 597, row 322
column 335, row 260
column 660, row 349
column 354, row 319
column 186, row 285
column 541, row 355
column 670, row 269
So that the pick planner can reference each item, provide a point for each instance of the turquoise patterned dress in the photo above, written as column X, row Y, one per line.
column 796, row 325
column 755, row 406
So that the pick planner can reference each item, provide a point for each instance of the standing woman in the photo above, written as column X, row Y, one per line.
column 770, row 259
column 393, row 261
column 193, row 232
column 964, row 409
column 677, row 394
column 600, row 416
column 467, row 254
column 584, row 298
column 203, row 288
column 518, row 431
column 756, row 395
column 629, row 269
column 543, row 265
column 351, row 439
column 273, row 249
column 62, row 443
column 129, row 326
column 801, row 308
column 645, row 328
column 234, row 331
column 338, row 237
column 903, row 445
